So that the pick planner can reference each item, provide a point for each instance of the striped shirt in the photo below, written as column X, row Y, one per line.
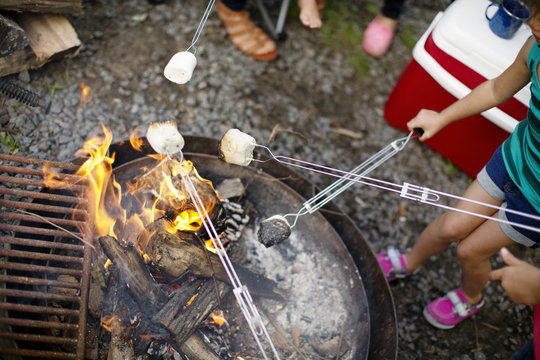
column 521, row 151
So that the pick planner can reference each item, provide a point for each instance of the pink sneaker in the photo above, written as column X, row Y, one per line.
column 377, row 38
column 393, row 264
column 447, row 311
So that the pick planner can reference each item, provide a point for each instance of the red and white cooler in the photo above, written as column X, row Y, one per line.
column 456, row 53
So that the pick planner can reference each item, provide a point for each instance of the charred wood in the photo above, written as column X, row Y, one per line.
column 195, row 348
column 189, row 306
column 144, row 289
column 175, row 255
column 151, row 297
column 120, row 346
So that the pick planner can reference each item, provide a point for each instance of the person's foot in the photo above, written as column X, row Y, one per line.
column 451, row 309
column 393, row 264
column 246, row 35
column 378, row 36
column 309, row 13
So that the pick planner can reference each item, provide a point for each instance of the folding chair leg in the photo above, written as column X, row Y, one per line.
column 282, row 17
column 275, row 31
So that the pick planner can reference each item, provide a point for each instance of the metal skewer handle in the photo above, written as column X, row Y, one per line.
column 346, row 177
column 335, row 189
column 407, row 190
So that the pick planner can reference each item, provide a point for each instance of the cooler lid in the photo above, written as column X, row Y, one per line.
column 463, row 32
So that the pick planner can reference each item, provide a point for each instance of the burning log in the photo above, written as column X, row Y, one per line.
column 120, row 346
column 189, row 306
column 181, row 315
column 195, row 348
column 175, row 255
column 146, row 292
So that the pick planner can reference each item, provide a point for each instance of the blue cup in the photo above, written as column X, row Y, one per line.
column 508, row 18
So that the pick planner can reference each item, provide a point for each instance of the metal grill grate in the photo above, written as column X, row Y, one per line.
column 44, row 269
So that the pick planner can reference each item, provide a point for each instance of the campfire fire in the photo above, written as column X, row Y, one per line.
column 148, row 235
column 158, row 192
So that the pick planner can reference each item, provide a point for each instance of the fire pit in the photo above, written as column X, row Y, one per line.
column 345, row 284
column 334, row 288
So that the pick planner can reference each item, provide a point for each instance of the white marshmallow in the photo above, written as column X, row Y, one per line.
column 180, row 67
column 164, row 137
column 237, row 147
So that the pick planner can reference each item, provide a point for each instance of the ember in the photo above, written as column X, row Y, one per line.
column 85, row 93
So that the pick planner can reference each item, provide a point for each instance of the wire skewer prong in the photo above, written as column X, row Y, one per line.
column 241, row 292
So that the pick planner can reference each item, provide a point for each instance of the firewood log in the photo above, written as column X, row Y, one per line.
column 175, row 255
column 43, row 6
column 46, row 37
column 195, row 348
column 120, row 346
column 134, row 272
column 152, row 298
column 189, row 306
column 12, row 37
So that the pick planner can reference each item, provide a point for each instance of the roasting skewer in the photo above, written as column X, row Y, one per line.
column 237, row 148
column 180, row 67
column 276, row 229
column 165, row 139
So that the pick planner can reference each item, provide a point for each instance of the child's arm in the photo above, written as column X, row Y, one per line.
column 485, row 96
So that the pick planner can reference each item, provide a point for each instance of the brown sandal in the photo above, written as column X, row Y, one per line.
column 246, row 35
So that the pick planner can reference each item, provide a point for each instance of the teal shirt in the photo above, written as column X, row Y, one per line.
column 521, row 151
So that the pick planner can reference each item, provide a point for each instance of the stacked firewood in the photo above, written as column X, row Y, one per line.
column 34, row 32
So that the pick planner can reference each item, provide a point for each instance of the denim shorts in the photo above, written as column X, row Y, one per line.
column 495, row 180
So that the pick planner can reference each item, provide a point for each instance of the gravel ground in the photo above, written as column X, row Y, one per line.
column 308, row 93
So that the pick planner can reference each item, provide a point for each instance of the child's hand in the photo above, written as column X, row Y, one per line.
column 520, row 280
column 427, row 120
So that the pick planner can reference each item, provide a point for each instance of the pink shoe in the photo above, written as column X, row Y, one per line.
column 393, row 264
column 447, row 311
column 377, row 38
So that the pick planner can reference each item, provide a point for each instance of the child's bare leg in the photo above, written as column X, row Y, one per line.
column 454, row 226
column 474, row 253
column 451, row 226
column 309, row 13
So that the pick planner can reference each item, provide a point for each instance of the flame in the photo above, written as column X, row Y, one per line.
column 135, row 139
column 85, row 93
column 101, row 186
column 188, row 220
column 210, row 246
column 107, row 264
column 173, row 195
column 218, row 317
column 101, row 191
column 109, row 322
column 191, row 300
column 158, row 192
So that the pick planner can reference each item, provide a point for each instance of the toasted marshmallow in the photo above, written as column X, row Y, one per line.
column 165, row 138
column 180, row 67
column 274, row 230
column 237, row 147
